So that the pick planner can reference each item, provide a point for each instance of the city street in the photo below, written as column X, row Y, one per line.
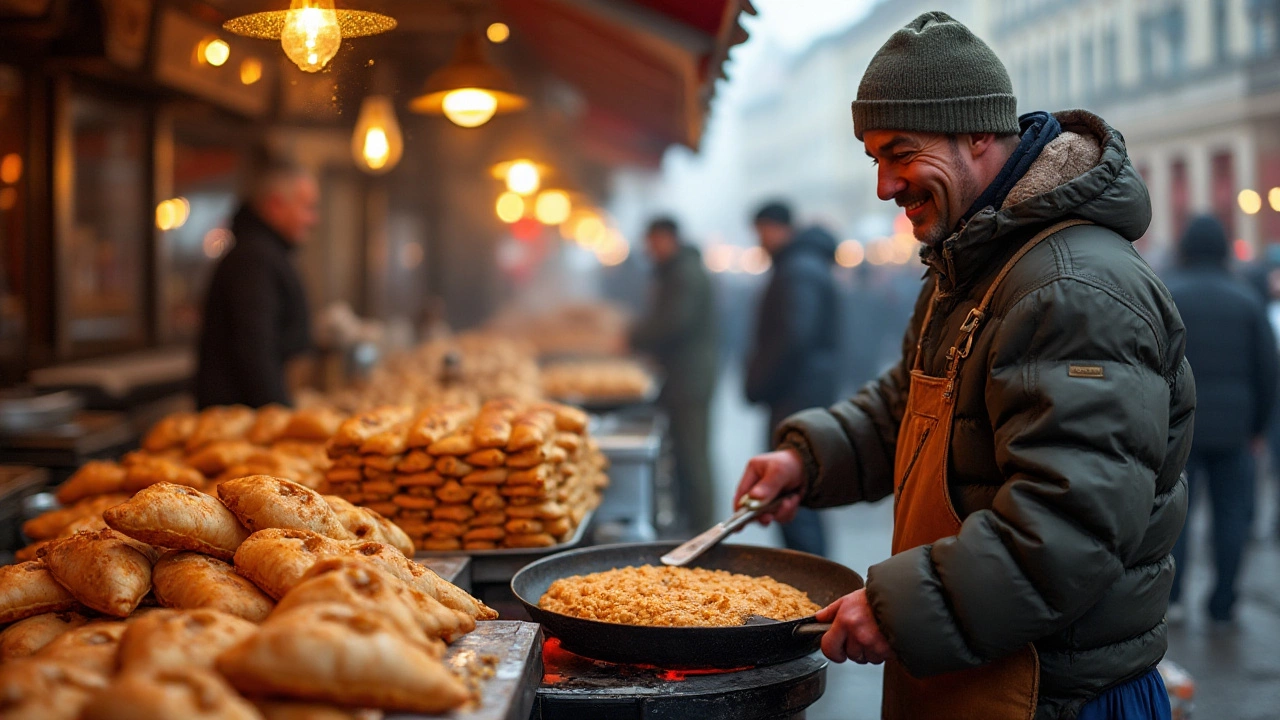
column 1236, row 669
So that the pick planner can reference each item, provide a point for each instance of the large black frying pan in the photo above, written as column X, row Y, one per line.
column 688, row 647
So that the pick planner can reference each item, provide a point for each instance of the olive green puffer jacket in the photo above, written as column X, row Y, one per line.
column 1068, row 483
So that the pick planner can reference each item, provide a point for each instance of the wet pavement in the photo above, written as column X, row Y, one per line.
column 1236, row 669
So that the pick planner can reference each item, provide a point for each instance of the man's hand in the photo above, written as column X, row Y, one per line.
column 854, row 634
column 769, row 475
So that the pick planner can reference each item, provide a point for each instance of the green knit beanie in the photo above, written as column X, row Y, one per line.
column 934, row 75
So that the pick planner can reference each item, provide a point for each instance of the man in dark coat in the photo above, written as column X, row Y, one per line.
column 1069, row 416
column 256, row 316
column 679, row 332
column 793, row 364
column 1233, row 352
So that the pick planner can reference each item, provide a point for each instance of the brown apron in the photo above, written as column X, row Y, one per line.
column 1007, row 688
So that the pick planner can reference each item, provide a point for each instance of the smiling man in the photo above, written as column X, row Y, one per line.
column 1034, row 432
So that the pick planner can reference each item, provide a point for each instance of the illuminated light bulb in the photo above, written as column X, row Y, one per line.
column 552, row 207
column 1273, row 198
column 523, row 178
column 181, row 211
column 590, row 232
column 250, row 71
column 469, row 107
column 850, row 254
column 614, row 250
column 166, row 215
column 377, row 143
column 311, row 35
column 1250, row 201
column 498, row 33
column 11, row 169
column 510, row 207
column 215, row 51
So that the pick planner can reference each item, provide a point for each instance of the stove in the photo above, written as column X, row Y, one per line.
column 579, row 688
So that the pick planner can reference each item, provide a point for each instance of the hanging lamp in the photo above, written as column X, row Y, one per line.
column 376, row 144
column 470, row 90
column 310, row 31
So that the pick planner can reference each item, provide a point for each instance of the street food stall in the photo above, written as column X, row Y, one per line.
column 361, row 550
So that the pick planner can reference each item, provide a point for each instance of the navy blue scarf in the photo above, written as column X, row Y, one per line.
column 1037, row 130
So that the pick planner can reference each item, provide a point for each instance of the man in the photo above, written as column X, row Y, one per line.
column 793, row 363
column 256, row 317
column 1233, row 351
column 679, row 331
column 1033, row 434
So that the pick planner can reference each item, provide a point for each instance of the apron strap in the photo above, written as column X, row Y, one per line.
column 964, row 342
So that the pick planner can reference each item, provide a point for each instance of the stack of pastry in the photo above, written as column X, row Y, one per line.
column 511, row 475
column 270, row 590
column 612, row 379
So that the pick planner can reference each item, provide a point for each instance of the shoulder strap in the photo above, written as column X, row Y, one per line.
column 964, row 342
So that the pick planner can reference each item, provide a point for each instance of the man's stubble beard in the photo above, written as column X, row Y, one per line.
column 944, row 227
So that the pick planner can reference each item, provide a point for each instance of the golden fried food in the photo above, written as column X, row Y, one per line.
column 216, row 457
column 50, row 524
column 424, row 579
column 28, row 589
column 191, row 693
column 189, row 581
column 104, row 570
column 369, row 526
column 220, row 422
column 39, row 689
column 26, row 637
column 175, row 639
column 675, row 596
column 276, row 559
column 147, row 471
column 358, row 429
column 334, row 653
column 170, row 432
column 176, row 516
column 315, row 424
column 96, row 477
column 90, row 647
column 263, row 501
column 437, row 422
column 269, row 424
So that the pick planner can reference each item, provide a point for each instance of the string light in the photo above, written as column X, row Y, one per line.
column 498, row 33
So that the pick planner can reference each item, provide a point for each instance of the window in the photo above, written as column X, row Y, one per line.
column 1264, row 19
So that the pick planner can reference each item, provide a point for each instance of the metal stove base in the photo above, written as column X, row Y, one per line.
column 775, row 692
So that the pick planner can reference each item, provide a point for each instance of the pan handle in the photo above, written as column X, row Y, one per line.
column 811, row 629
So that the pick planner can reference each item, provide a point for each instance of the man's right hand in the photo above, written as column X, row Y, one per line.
column 769, row 475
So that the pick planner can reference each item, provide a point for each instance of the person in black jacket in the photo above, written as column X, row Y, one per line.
column 794, row 364
column 1233, row 352
column 256, row 315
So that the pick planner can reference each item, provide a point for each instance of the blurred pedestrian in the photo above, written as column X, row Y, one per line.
column 255, row 313
column 1232, row 350
column 1033, row 432
column 679, row 331
column 794, row 362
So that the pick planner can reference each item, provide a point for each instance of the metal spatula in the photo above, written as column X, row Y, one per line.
column 748, row 509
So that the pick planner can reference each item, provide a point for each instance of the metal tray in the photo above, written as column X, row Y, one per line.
column 502, row 564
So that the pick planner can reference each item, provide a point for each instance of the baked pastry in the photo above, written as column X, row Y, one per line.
column 96, row 477
column 276, row 559
column 172, row 431
column 279, row 710
column 263, row 501
column 48, row 525
column 91, row 647
column 216, row 457
column 148, row 471
column 28, row 589
column 34, row 689
column 424, row 579
column 176, row 516
column 103, row 570
column 358, row 429
column 269, row 424
column 25, row 637
column 190, row 693
column 176, row 639
column 334, row 653
column 367, row 525
column 221, row 422
column 437, row 422
column 189, row 581
column 316, row 424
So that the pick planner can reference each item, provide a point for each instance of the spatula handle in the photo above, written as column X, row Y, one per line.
column 811, row 629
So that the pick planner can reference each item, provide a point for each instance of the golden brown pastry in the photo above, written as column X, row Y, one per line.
column 28, row 589
column 48, row 525
column 334, row 653
column 367, row 525
column 424, row 579
column 26, row 637
column 531, row 429
column 269, row 424
column 104, row 570
column 263, row 501
column 315, row 424
column 174, row 639
column 190, row 693
column 216, row 457
column 96, row 477
column 306, row 452
column 459, row 442
column 437, row 422
column 30, row 552
column 149, row 471
column 221, row 422
column 176, row 516
column 91, row 647
column 279, row 710
column 276, row 559
column 172, row 431
column 189, row 581
column 35, row 689
column 358, row 429
column 492, row 428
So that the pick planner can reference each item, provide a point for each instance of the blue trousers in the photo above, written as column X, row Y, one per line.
column 1144, row 698
column 1229, row 477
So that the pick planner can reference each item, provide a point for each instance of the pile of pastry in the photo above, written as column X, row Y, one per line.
column 512, row 474
column 276, row 602
column 198, row 450
column 605, row 379
column 467, row 369
column 570, row 329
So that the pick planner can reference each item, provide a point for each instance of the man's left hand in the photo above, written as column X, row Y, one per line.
column 854, row 634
